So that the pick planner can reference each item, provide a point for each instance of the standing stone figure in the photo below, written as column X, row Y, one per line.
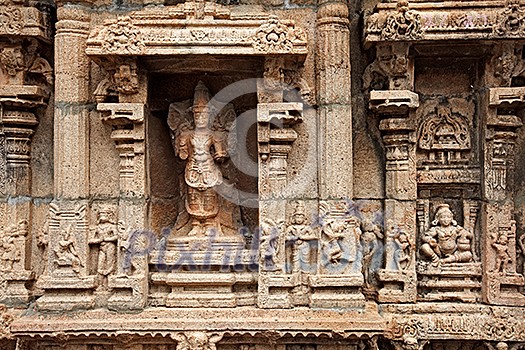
column 446, row 241
column 105, row 236
column 302, row 236
column 203, row 146
column 503, row 259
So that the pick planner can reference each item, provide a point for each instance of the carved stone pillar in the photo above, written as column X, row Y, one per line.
column 67, row 283
column 334, row 99
column 129, row 285
column 335, row 162
column 398, row 131
column 500, row 277
column 275, row 137
column 25, row 79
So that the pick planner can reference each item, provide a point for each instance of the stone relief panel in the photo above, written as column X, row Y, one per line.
column 445, row 137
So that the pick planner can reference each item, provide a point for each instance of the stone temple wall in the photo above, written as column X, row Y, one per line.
column 262, row 174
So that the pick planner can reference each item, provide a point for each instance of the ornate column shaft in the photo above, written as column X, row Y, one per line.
column 398, row 132
column 129, row 285
column 334, row 99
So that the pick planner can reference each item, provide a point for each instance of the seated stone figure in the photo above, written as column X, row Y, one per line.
column 446, row 241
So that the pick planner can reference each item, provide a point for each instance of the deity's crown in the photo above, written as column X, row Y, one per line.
column 201, row 99
column 441, row 209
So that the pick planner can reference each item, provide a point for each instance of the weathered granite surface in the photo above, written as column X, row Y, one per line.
column 262, row 174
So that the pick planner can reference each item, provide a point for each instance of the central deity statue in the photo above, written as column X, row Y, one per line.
column 446, row 241
column 200, row 138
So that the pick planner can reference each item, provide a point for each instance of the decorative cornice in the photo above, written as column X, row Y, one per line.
column 449, row 21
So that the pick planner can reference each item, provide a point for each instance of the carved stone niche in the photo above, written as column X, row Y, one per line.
column 202, row 175
column 449, row 266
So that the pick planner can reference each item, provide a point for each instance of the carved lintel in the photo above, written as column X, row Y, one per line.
column 393, row 101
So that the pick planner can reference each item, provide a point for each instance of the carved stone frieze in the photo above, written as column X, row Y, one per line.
column 181, row 27
column 511, row 20
column 499, row 325
column 431, row 21
column 122, row 37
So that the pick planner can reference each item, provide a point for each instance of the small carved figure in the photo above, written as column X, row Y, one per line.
column 11, row 253
column 13, row 66
column 204, row 148
column 404, row 23
column 302, row 236
column 446, row 241
column 66, row 251
column 340, row 236
column 501, row 246
column 105, row 236
column 370, row 245
column 402, row 256
column 270, row 245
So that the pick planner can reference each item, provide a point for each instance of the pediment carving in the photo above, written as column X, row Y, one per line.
column 195, row 28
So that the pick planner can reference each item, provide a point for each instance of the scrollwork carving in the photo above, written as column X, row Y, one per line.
column 404, row 23
column 276, row 37
column 511, row 20
column 11, row 19
column 122, row 36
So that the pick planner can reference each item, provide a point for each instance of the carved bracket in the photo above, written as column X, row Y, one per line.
column 127, row 120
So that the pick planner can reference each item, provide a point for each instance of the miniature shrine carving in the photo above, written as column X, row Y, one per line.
column 445, row 135
column 445, row 241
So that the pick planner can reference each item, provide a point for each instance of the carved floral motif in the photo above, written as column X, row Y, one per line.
column 403, row 24
column 11, row 19
column 197, row 340
column 511, row 21
column 123, row 37
column 274, row 36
